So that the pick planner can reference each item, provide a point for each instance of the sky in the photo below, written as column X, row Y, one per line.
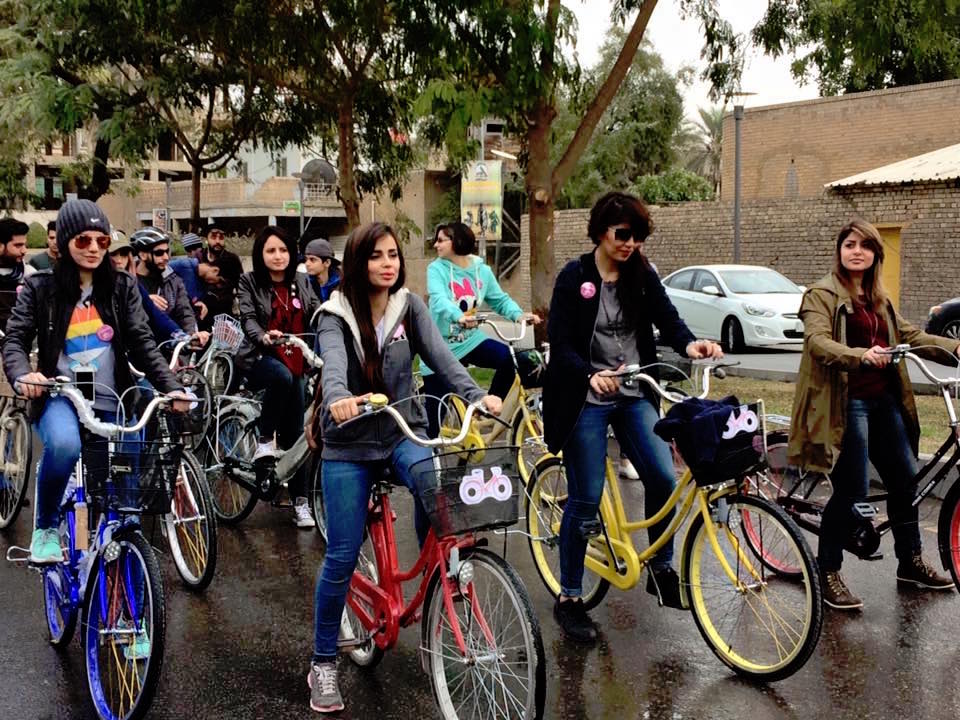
column 679, row 43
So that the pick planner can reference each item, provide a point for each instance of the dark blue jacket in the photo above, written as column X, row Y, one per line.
column 160, row 323
column 570, row 331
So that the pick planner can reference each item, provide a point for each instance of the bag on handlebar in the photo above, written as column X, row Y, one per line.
column 719, row 440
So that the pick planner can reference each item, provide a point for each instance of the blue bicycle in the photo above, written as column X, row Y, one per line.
column 110, row 579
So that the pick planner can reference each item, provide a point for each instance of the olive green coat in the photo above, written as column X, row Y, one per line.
column 819, row 416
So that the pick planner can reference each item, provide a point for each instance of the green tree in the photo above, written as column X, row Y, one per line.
column 700, row 145
column 675, row 185
column 856, row 45
column 507, row 60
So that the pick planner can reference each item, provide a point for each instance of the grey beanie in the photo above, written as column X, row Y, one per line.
column 320, row 248
column 77, row 216
column 190, row 241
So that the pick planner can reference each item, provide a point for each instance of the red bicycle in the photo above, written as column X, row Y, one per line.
column 480, row 640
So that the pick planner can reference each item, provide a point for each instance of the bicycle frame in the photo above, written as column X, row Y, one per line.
column 381, row 607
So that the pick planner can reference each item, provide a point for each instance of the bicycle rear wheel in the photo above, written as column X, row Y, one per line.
column 234, row 439
column 316, row 499
column 355, row 639
column 502, row 672
column 546, row 500
column 759, row 623
column 17, row 450
column 124, row 630
column 191, row 526
column 528, row 437
column 948, row 533
column 60, row 613
column 219, row 373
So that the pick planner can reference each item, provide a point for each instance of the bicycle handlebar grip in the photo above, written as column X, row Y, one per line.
column 719, row 373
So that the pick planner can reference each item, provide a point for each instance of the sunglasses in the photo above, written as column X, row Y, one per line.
column 160, row 252
column 83, row 241
column 623, row 234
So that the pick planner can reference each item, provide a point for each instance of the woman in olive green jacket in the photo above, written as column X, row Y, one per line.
column 852, row 407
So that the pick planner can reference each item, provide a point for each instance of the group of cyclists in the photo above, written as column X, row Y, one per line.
column 88, row 317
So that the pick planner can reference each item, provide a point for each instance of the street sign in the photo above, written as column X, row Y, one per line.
column 291, row 206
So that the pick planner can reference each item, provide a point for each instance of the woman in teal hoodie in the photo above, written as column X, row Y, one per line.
column 458, row 282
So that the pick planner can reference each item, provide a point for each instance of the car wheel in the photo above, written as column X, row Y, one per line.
column 951, row 329
column 731, row 337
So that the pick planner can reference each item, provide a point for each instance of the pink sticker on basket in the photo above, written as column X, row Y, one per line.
column 105, row 333
column 588, row 290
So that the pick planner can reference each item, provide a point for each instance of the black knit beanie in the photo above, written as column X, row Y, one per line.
column 77, row 216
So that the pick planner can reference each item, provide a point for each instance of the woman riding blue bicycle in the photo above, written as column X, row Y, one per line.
column 369, row 332
column 87, row 319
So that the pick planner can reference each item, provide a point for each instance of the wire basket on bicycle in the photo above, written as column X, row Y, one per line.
column 719, row 440
column 469, row 491
column 227, row 333
column 132, row 476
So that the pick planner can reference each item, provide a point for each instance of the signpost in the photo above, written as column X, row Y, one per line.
column 481, row 201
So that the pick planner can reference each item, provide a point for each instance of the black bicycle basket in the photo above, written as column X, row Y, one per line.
column 132, row 476
column 469, row 491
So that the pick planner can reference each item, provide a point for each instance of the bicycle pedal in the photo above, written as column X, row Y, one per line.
column 872, row 557
column 865, row 510
column 590, row 529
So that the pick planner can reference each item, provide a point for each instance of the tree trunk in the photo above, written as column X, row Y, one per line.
column 345, row 159
column 539, row 186
column 195, row 177
column 100, row 180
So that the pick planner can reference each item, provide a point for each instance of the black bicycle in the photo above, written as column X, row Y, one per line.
column 804, row 495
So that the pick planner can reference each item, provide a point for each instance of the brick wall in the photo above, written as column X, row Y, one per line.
column 792, row 150
column 796, row 237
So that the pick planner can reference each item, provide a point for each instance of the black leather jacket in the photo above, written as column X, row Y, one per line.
column 41, row 314
column 254, row 303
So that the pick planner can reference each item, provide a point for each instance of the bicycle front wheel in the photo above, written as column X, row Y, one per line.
column 233, row 438
column 124, row 628
column 219, row 373
column 501, row 672
column 546, row 500
column 760, row 623
column 528, row 437
column 17, row 449
column 191, row 526
column 60, row 613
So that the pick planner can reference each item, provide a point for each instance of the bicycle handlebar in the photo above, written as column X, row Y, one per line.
column 904, row 351
column 309, row 355
column 488, row 319
column 378, row 403
column 633, row 373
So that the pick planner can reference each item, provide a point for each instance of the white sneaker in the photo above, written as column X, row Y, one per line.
column 301, row 513
column 265, row 449
column 627, row 470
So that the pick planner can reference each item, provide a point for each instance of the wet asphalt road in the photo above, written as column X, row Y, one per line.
column 241, row 649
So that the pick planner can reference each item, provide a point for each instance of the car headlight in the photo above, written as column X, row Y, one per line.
column 758, row 311
column 935, row 310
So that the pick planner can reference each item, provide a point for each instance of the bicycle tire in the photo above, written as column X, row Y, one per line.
column 367, row 654
column 60, row 614
column 504, row 667
column 546, row 499
column 316, row 499
column 781, row 642
column 122, row 679
column 948, row 533
column 530, row 448
column 15, row 441
column 236, row 437
column 193, row 541
column 219, row 373
column 196, row 422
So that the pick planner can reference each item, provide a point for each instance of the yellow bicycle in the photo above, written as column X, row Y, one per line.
column 522, row 426
column 759, row 623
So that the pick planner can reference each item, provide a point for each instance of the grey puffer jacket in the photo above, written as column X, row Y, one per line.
column 41, row 314
column 170, row 287
column 409, row 331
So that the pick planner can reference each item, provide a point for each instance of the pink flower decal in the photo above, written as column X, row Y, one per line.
column 400, row 333
column 588, row 290
column 296, row 303
column 105, row 333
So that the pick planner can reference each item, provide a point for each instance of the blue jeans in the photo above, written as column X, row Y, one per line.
column 584, row 457
column 491, row 354
column 59, row 432
column 346, row 493
column 875, row 433
column 282, row 410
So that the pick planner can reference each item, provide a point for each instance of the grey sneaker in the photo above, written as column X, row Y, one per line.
column 301, row 513
column 324, row 690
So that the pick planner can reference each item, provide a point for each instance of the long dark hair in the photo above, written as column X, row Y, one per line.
column 356, row 288
column 616, row 208
column 66, row 278
column 260, row 271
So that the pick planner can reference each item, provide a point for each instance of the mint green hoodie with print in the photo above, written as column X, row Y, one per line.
column 455, row 290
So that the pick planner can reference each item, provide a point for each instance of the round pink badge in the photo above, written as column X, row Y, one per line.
column 105, row 333
column 296, row 303
column 588, row 290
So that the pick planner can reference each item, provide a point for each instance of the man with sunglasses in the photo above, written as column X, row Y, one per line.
column 164, row 286
column 220, row 294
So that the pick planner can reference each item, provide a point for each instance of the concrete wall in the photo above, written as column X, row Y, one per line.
column 792, row 150
column 797, row 237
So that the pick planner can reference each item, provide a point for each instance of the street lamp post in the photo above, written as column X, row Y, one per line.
column 737, row 117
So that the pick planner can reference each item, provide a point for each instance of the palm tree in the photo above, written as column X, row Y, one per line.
column 704, row 148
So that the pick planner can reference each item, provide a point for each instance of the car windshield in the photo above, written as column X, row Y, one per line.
column 757, row 281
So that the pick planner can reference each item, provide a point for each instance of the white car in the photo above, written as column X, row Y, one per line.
column 740, row 305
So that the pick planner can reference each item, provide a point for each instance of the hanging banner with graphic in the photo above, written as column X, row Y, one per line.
column 481, row 199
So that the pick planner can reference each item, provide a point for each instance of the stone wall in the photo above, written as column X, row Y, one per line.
column 797, row 237
column 792, row 150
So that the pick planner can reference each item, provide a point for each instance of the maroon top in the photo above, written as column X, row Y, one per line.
column 866, row 329
column 286, row 315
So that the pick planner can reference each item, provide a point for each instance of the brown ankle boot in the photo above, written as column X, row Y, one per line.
column 836, row 594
